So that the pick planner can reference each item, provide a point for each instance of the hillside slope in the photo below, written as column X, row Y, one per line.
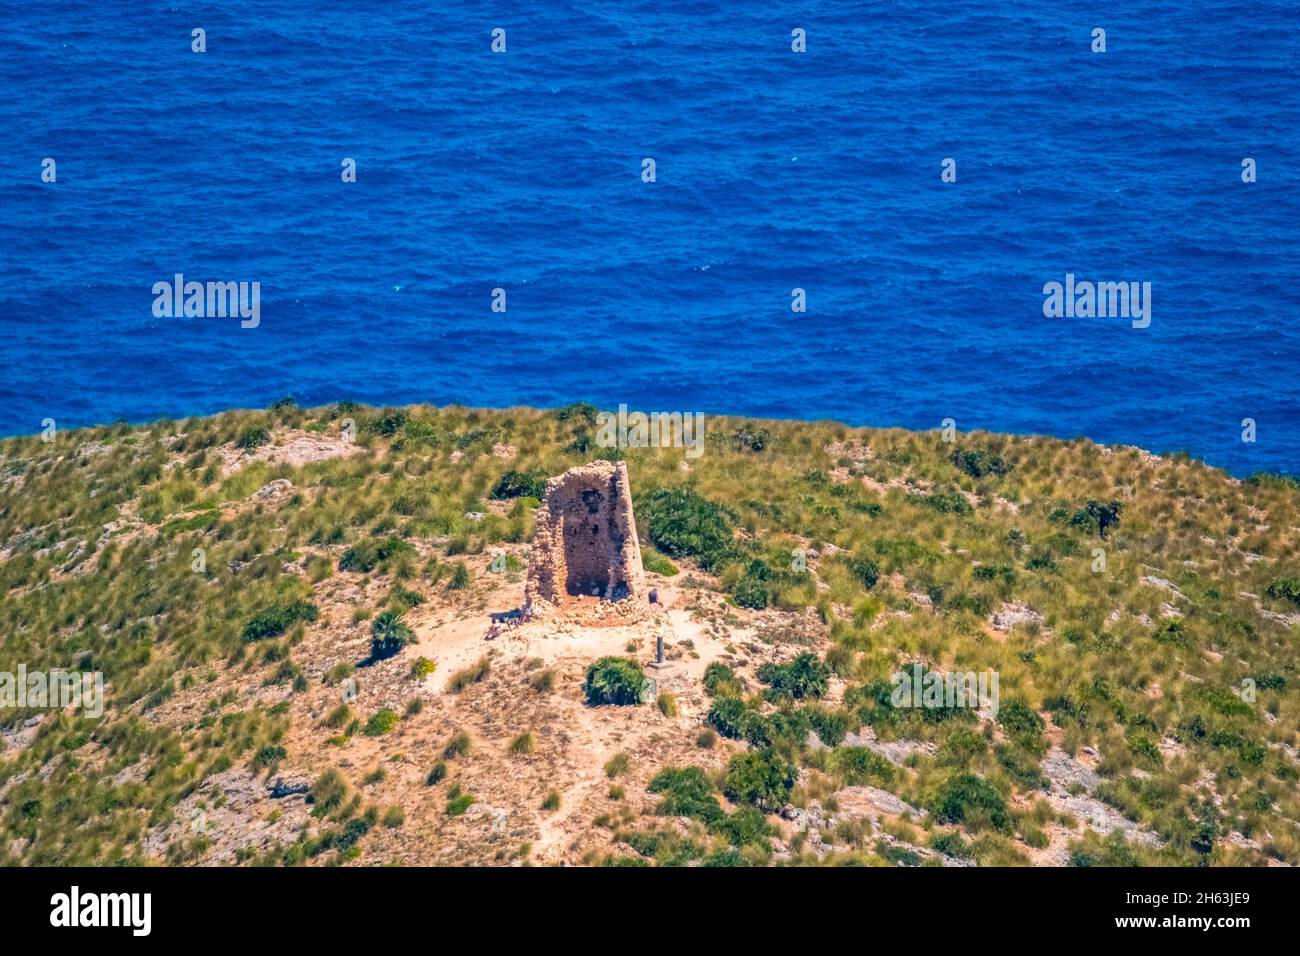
column 229, row 577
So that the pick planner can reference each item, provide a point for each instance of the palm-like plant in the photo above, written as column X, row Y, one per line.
column 388, row 635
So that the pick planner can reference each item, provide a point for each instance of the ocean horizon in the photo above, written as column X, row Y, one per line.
column 774, row 171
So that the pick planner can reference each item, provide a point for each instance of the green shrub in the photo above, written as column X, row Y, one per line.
column 991, row 572
column 1096, row 516
column 365, row 556
column 866, row 571
column 387, row 423
column 460, row 577
column 519, row 484
column 805, row 676
column 725, row 858
column 329, row 791
column 831, row 726
column 268, row 755
column 459, row 804
column 1022, row 767
column 727, row 715
column 978, row 463
column 686, row 792
column 760, row 777
column 1041, row 561
column 721, row 681
column 656, row 563
column 751, row 592
column 1284, row 589
column 1272, row 479
column 898, row 855
column 1146, row 748
column 457, row 746
column 746, row 826
column 944, row 502
column 1020, row 720
column 970, row 800
column 388, row 635
column 951, row 844
column 339, row 716
column 681, row 523
column 202, row 521
column 254, row 437
column 1171, row 631
column 276, row 620
column 749, row 437
column 381, row 722
column 614, row 680
column 857, row 766
column 339, row 671
column 961, row 747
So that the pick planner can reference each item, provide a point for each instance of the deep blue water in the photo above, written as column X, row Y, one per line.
column 775, row 170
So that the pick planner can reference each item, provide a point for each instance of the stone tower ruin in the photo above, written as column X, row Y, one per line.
column 585, row 548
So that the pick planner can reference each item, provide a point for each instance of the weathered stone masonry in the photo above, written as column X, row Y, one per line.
column 586, row 544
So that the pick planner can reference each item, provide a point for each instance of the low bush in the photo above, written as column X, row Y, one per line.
column 805, row 676
column 459, row 804
column 1096, row 516
column 686, row 792
column 864, row 570
column 329, row 791
column 381, row 722
column 681, row 523
column 857, row 766
column 365, row 556
column 1020, row 721
column 614, row 680
column 276, row 620
column 979, row 463
column 760, row 777
column 388, row 635
column 1284, row 589
column 721, row 681
column 519, row 484
column 475, row 673
column 970, row 800
column 656, row 563
column 457, row 746
column 254, row 437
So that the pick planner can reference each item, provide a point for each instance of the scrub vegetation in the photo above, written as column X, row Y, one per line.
column 1142, row 612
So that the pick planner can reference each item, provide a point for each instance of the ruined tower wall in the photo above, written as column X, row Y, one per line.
column 586, row 543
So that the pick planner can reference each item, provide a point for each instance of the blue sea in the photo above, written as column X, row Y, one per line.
column 775, row 170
